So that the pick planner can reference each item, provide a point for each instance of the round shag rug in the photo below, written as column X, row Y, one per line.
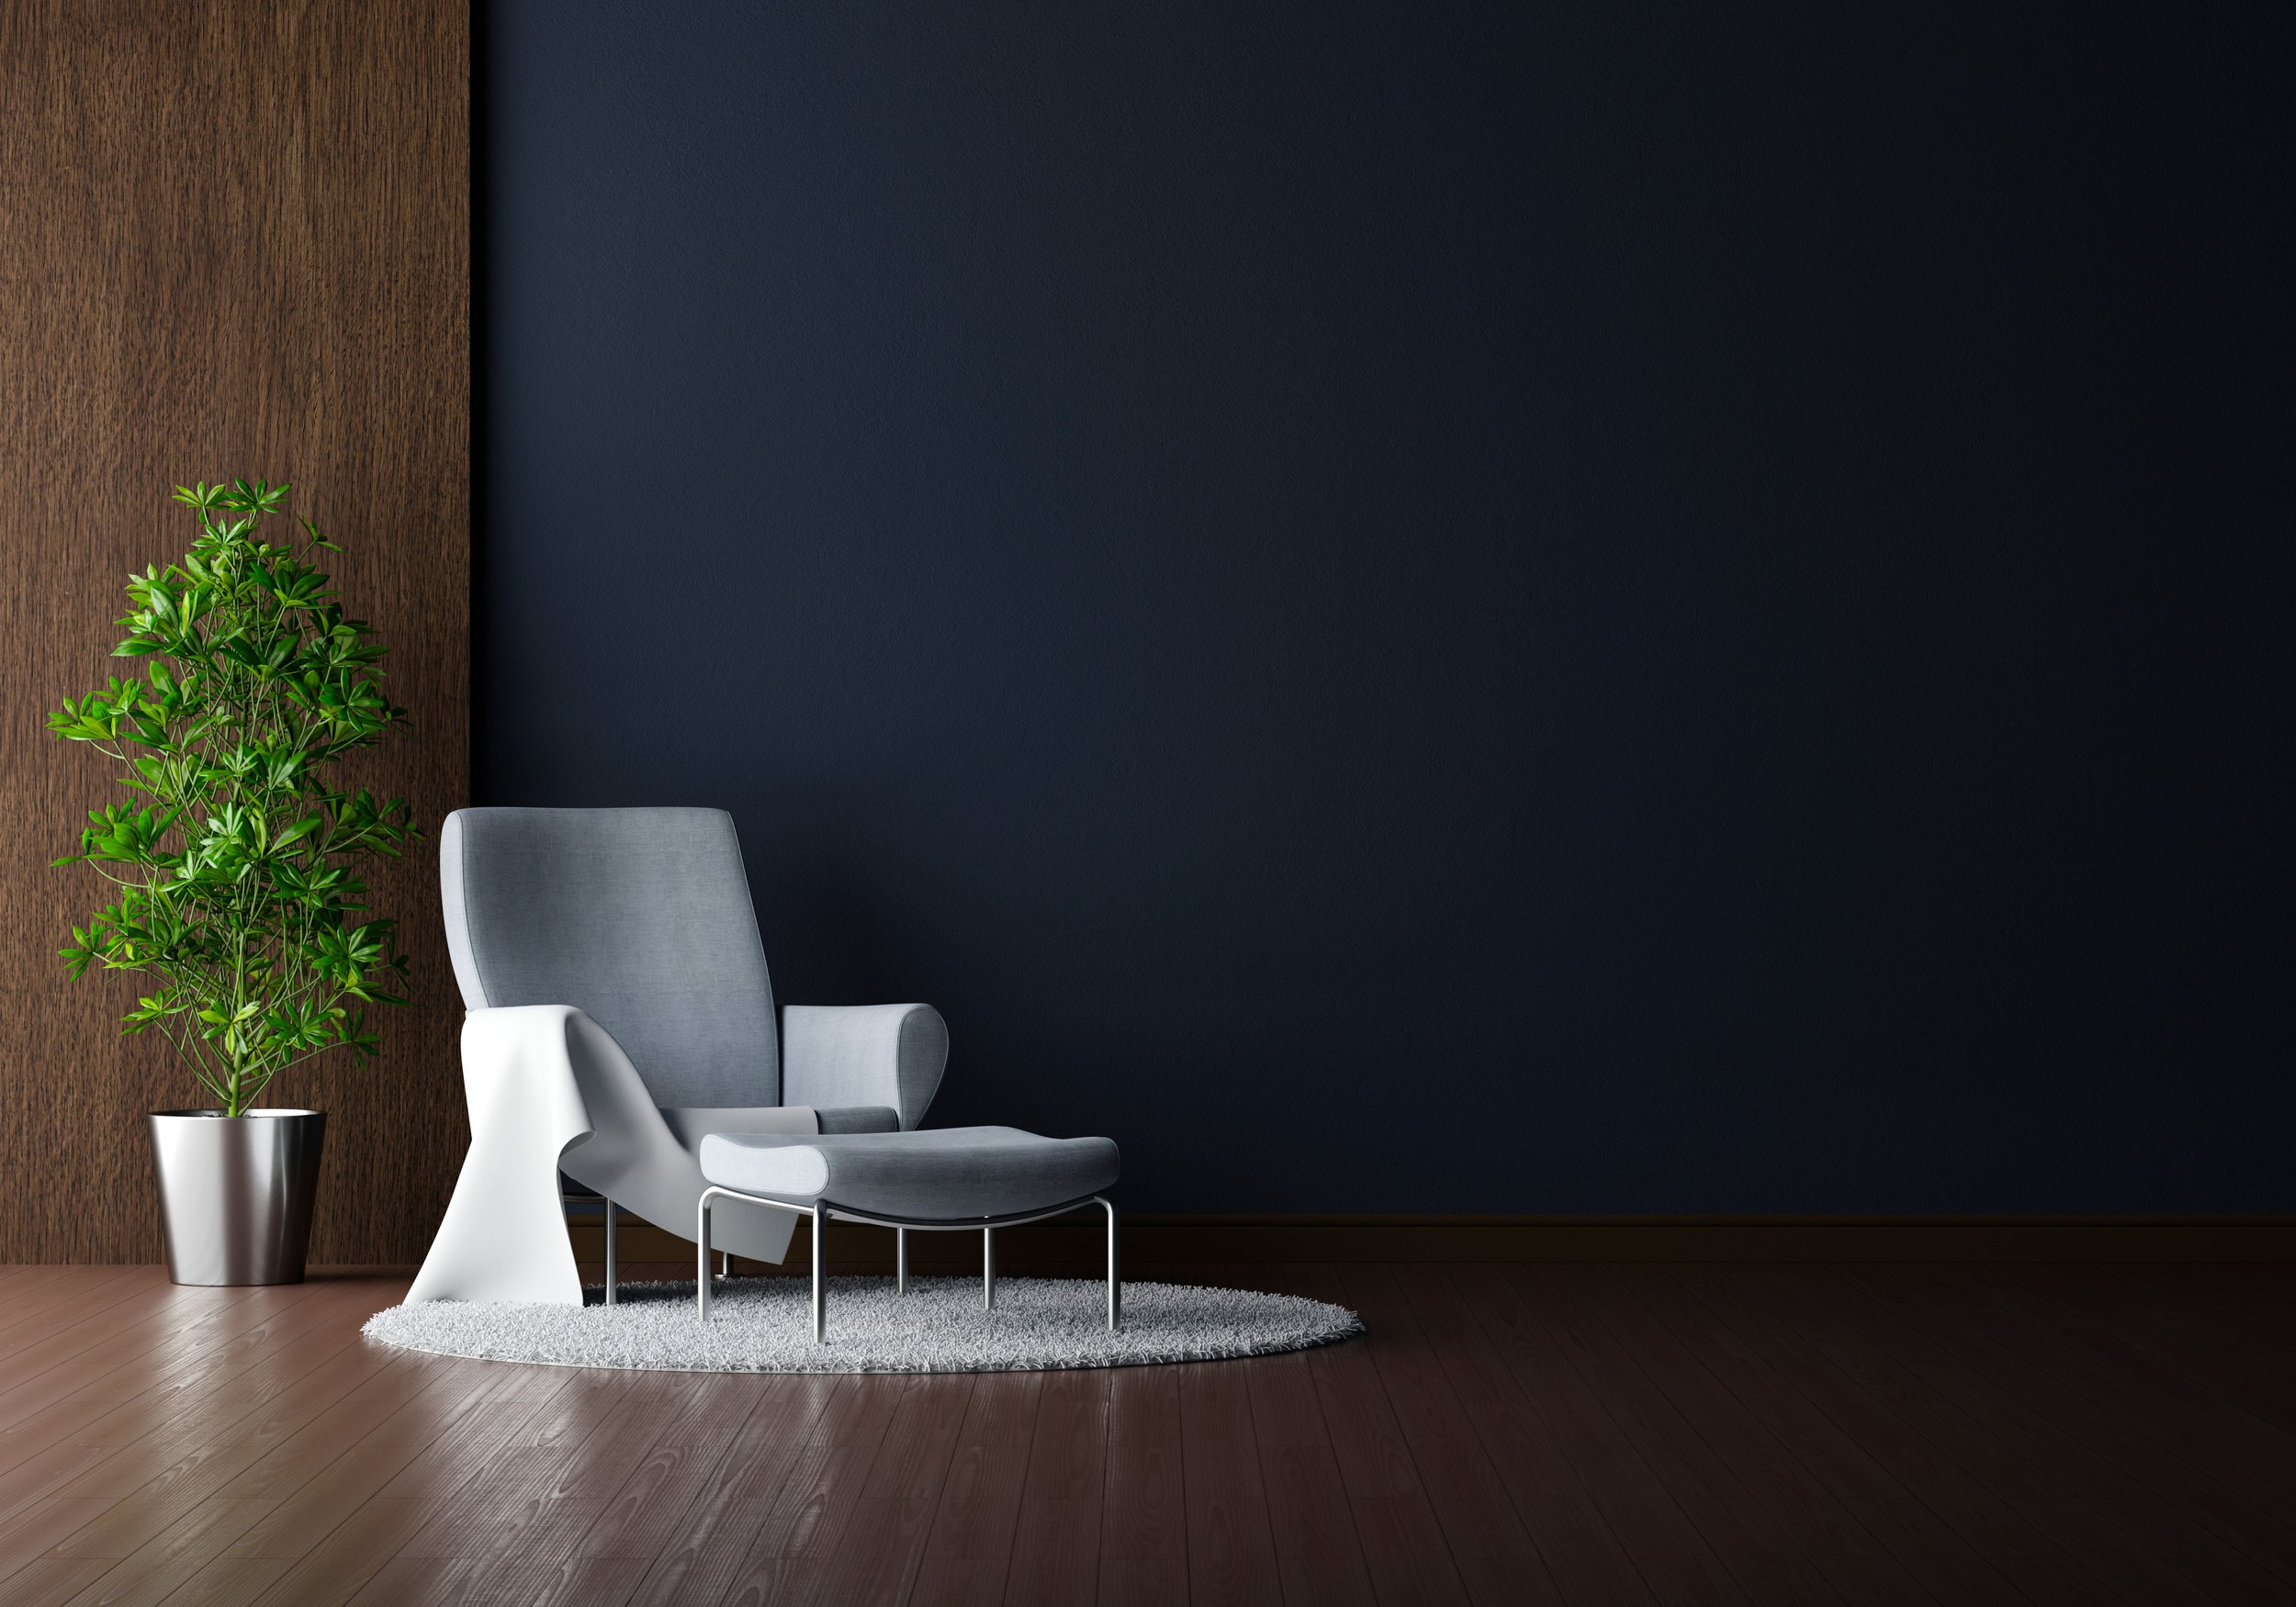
column 762, row 1325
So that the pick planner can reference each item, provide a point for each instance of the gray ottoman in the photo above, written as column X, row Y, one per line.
column 940, row 1180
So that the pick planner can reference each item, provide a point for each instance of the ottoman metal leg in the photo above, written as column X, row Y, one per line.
column 701, row 1259
column 820, row 1271
column 1116, row 1289
column 820, row 1210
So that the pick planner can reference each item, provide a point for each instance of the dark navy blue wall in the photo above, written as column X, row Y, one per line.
column 1426, row 607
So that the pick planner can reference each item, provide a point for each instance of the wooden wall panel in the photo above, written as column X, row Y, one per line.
column 234, row 238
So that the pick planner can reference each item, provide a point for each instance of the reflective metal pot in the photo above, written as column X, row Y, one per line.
column 235, row 1193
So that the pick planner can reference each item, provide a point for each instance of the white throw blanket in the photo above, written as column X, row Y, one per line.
column 550, row 1091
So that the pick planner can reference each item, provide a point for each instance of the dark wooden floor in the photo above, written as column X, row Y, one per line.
column 1524, row 1434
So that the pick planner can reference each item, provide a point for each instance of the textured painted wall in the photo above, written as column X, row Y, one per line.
column 234, row 238
column 1439, row 607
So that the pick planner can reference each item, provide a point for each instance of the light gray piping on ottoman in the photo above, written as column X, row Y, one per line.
column 821, row 1211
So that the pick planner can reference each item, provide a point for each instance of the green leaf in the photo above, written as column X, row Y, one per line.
column 233, row 869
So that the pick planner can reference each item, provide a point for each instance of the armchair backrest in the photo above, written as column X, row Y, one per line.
column 639, row 917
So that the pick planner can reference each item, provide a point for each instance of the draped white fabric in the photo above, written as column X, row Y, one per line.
column 550, row 1091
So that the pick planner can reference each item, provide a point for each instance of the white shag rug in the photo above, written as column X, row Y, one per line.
column 762, row 1325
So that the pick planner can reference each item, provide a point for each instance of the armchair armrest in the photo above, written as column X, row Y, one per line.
column 840, row 1055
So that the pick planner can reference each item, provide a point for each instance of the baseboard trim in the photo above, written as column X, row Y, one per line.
column 1151, row 1239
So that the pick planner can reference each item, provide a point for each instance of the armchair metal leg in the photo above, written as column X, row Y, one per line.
column 900, row 1261
column 701, row 1260
column 609, row 1255
column 988, row 1269
column 1116, row 1287
column 820, row 1271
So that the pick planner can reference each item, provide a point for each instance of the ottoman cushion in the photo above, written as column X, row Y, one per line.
column 938, row 1174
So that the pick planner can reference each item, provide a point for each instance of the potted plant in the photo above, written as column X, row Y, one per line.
column 235, row 867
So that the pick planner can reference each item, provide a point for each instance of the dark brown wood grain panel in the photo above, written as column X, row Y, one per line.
column 234, row 240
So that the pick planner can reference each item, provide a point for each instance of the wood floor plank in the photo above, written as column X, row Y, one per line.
column 328, row 1498
column 134, row 1518
column 225, row 1371
column 2056, row 1484
column 2187, row 1419
column 1515, row 1435
column 980, row 1503
column 55, row 1297
column 960, row 1582
column 703, row 1556
column 774, row 1434
column 529, row 1477
column 1738, row 1450
column 2117, row 1439
column 1141, row 1582
column 1055, row 1552
column 61, row 1300
column 644, row 1515
column 1220, row 1449
column 913, row 1459
column 40, row 1474
column 54, row 1581
column 1067, row 1454
column 260, row 1395
column 167, row 1422
column 230, row 1581
column 47, row 1404
column 816, row 1503
column 418, row 1581
column 1231, row 1554
column 1532, row 1454
column 1596, row 1463
column 652, row 1405
column 1338, row 1582
column 1964, row 1532
column 1749, row 1540
column 339, row 1567
column 153, row 1571
column 343, row 1426
column 1373, row 1455
column 1285, row 1410
column 875, row 1563
column 2243, row 1368
column 1457, row 1479
column 1144, row 1508
column 32, row 1533
column 860, row 1410
column 2258, row 1299
column 1144, row 1406
column 1404, row 1551
column 1001, row 1411
column 726, row 1545
column 543, row 1569
column 1926, row 1451
column 1307, row 1502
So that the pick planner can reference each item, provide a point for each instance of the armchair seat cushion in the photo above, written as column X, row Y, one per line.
column 940, row 1174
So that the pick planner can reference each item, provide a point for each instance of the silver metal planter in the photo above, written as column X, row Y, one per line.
column 235, row 1193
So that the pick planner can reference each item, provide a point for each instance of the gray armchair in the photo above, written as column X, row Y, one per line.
column 620, row 1012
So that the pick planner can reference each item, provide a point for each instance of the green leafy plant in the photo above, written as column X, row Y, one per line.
column 237, row 868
